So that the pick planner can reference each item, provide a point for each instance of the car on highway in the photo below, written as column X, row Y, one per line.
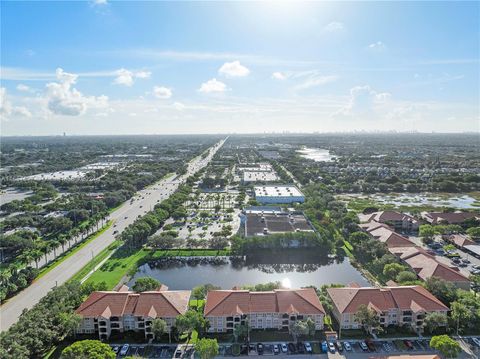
column 124, row 349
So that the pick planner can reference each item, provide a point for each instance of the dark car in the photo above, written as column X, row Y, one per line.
column 291, row 348
column 260, row 349
column 339, row 346
column 408, row 344
column 300, row 348
column 370, row 345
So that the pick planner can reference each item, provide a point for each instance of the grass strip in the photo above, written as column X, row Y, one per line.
column 72, row 251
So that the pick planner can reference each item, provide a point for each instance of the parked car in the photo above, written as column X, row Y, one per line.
column 408, row 344
column 364, row 346
column 466, row 260
column 292, row 348
column 124, row 349
column 308, row 348
column 370, row 345
column 300, row 348
column 260, row 349
column 347, row 346
column 476, row 341
column 276, row 349
column 115, row 349
column 324, row 347
column 331, row 347
column 339, row 346
column 284, row 348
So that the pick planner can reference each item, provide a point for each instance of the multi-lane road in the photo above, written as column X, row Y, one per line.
column 143, row 202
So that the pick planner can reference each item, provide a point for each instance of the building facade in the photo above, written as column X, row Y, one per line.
column 396, row 306
column 109, row 312
column 278, row 309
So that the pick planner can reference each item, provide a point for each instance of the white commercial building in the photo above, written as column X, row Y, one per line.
column 278, row 194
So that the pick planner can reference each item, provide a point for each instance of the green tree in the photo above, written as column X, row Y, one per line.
column 240, row 331
column 474, row 232
column 427, row 232
column 207, row 348
column 190, row 321
column 88, row 349
column 435, row 320
column 159, row 327
column 446, row 345
column 302, row 328
column 391, row 270
column 200, row 292
column 368, row 318
column 443, row 290
column 406, row 276
column 460, row 313
column 145, row 284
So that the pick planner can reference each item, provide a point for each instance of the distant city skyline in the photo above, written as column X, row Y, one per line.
column 104, row 67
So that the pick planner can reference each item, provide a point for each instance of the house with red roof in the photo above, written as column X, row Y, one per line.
column 448, row 217
column 399, row 221
column 398, row 306
column 225, row 309
column 109, row 312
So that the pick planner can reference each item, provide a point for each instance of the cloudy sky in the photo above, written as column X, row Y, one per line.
column 157, row 68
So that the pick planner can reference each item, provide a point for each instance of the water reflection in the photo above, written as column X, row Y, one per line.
column 295, row 270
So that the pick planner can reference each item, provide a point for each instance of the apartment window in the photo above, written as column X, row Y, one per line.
column 299, row 317
column 229, row 319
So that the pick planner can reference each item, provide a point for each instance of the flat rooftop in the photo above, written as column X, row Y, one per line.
column 277, row 191
column 258, row 224
column 259, row 176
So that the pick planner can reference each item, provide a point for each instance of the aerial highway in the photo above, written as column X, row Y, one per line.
column 126, row 214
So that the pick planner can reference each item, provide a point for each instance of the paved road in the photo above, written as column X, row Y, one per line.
column 143, row 201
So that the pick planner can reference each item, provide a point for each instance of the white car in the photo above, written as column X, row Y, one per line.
column 476, row 341
column 124, row 349
column 347, row 346
column 284, row 348
column 276, row 349
column 308, row 347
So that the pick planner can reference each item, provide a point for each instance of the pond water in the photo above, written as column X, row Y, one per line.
column 316, row 154
column 430, row 199
column 227, row 273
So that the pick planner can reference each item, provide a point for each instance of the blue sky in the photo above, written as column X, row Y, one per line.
column 209, row 67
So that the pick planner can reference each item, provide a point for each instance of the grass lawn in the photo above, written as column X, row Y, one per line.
column 72, row 251
column 98, row 258
column 118, row 265
column 125, row 262
column 353, row 334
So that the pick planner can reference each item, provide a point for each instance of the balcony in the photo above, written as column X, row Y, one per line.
column 229, row 319
column 102, row 324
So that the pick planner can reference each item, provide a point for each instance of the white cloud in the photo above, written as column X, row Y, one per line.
column 23, row 88
column 127, row 78
column 162, row 92
column 363, row 100
column 100, row 2
column 7, row 109
column 279, row 76
column 179, row 106
column 213, row 85
column 233, row 69
column 143, row 74
column 334, row 26
column 315, row 80
column 63, row 99
column 377, row 46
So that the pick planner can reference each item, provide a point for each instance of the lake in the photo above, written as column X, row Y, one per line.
column 316, row 154
column 227, row 273
column 425, row 199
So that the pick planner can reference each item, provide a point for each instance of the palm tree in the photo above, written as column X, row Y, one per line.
column 54, row 244
column 62, row 239
column 36, row 255
column 5, row 275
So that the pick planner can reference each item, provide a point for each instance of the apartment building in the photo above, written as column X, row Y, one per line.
column 110, row 312
column 386, row 234
column 449, row 217
column 225, row 309
column 398, row 306
column 399, row 221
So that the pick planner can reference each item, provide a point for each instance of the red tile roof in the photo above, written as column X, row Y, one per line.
column 415, row 298
column 231, row 302
column 449, row 217
column 117, row 304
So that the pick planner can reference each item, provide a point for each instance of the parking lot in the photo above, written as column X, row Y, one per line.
column 339, row 349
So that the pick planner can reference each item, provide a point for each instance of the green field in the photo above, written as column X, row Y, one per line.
column 124, row 262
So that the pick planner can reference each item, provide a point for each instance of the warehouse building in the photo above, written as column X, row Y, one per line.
column 278, row 194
